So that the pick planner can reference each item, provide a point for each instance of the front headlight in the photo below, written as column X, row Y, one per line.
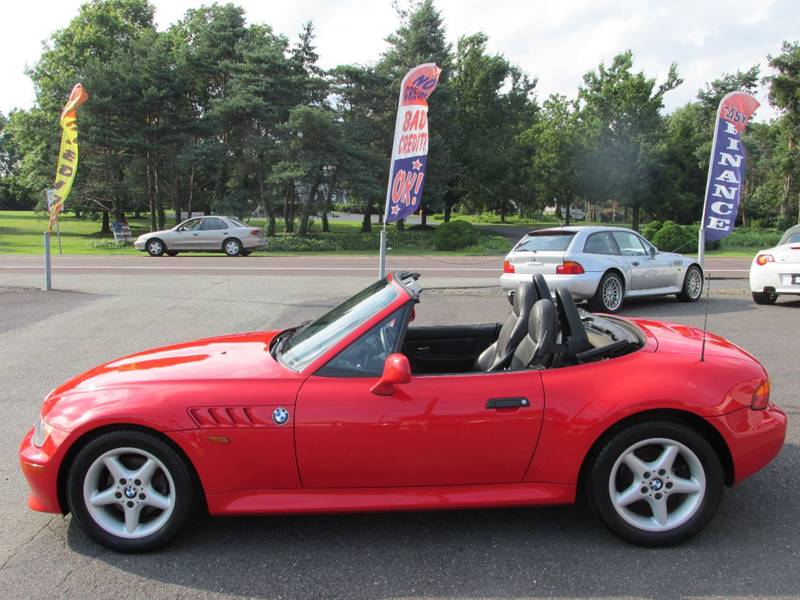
column 41, row 431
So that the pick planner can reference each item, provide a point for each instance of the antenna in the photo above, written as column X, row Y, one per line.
column 705, row 319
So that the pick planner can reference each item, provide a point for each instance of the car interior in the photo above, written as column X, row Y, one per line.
column 538, row 333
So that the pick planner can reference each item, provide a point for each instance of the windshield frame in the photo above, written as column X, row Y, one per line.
column 402, row 297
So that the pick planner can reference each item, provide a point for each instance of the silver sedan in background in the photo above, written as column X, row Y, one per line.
column 203, row 234
column 603, row 265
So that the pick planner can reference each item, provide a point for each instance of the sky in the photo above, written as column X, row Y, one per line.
column 553, row 41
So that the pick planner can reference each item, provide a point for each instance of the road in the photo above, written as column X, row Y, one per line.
column 318, row 266
column 749, row 551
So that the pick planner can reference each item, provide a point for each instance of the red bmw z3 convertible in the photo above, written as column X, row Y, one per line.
column 361, row 411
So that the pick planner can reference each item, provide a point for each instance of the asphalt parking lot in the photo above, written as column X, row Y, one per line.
column 749, row 551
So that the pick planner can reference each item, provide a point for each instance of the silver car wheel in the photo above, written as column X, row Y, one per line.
column 129, row 493
column 661, row 494
column 612, row 293
column 232, row 248
column 694, row 285
column 154, row 247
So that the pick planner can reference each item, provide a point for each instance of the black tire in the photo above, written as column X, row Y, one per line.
column 703, row 507
column 601, row 302
column 765, row 297
column 155, row 247
column 246, row 252
column 232, row 247
column 690, row 292
column 172, row 253
column 183, row 493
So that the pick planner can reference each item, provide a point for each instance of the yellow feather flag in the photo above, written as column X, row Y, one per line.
column 68, row 152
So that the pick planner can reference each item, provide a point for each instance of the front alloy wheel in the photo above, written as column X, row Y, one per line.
column 129, row 491
column 656, row 484
column 692, row 285
column 156, row 247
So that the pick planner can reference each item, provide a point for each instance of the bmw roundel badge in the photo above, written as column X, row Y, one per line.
column 280, row 415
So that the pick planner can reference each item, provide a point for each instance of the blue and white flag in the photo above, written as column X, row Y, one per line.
column 410, row 146
column 726, row 169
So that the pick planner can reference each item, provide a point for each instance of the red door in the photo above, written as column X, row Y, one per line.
column 435, row 430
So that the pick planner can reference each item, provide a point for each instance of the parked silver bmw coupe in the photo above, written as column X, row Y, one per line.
column 214, row 234
column 603, row 265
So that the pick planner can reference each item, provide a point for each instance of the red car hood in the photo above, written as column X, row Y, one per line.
column 241, row 356
column 675, row 338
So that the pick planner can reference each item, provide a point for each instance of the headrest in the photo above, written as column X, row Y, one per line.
column 542, row 324
column 541, row 286
column 524, row 298
column 564, row 298
column 572, row 326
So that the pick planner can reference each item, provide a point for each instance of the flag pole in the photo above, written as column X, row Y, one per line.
column 48, row 282
column 382, row 269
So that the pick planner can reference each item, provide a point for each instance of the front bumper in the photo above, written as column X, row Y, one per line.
column 754, row 438
column 777, row 275
column 40, row 468
column 139, row 245
column 582, row 287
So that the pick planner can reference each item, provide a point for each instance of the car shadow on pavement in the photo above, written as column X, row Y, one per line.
column 667, row 306
column 749, row 550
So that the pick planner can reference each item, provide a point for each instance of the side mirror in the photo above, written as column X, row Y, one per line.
column 396, row 370
column 181, row 229
column 653, row 251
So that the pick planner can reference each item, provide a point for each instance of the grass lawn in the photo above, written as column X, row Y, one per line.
column 21, row 233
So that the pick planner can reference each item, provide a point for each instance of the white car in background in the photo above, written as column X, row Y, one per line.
column 776, row 271
column 603, row 265
column 203, row 234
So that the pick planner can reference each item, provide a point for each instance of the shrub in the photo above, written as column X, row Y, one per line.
column 750, row 237
column 650, row 229
column 455, row 235
column 673, row 237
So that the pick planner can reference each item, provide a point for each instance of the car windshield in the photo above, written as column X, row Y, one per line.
column 311, row 341
column 550, row 241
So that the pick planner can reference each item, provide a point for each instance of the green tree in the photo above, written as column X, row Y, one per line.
column 494, row 106
column 784, row 93
column 625, row 108
column 557, row 139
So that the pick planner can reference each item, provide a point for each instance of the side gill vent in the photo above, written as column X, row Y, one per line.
column 232, row 416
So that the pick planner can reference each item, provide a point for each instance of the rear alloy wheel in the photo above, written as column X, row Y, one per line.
column 656, row 483
column 156, row 247
column 130, row 491
column 232, row 247
column 692, row 285
column 765, row 297
column 609, row 294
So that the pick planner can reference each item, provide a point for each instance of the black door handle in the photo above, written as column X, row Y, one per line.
column 507, row 403
column 635, row 263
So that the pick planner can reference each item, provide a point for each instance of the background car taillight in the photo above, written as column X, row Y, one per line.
column 256, row 232
column 763, row 259
column 761, row 396
column 508, row 267
column 570, row 267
